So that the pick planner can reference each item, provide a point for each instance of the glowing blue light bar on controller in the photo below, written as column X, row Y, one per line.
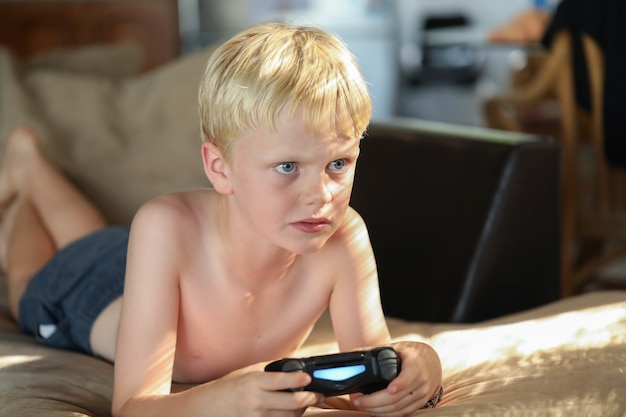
column 339, row 374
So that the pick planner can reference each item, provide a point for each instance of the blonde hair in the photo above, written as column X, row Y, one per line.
column 253, row 76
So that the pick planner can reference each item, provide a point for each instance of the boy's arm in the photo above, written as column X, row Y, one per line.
column 146, row 340
column 355, row 308
column 359, row 321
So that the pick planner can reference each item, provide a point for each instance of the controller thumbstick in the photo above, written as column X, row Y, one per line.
column 388, row 363
column 292, row 365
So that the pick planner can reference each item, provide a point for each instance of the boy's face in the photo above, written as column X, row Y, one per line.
column 290, row 187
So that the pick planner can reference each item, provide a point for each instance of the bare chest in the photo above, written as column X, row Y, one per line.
column 221, row 330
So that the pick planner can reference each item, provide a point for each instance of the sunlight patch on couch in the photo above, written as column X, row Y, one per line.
column 10, row 360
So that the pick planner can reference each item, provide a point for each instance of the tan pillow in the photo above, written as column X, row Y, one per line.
column 122, row 140
column 114, row 60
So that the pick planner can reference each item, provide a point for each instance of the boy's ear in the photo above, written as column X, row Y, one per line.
column 216, row 168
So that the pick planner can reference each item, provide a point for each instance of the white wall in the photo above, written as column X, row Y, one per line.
column 374, row 30
column 365, row 25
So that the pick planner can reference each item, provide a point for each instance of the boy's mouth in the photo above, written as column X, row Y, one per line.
column 311, row 225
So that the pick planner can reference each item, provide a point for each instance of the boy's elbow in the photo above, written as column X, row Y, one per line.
column 119, row 408
column 116, row 410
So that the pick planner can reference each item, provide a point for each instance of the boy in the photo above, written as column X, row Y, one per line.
column 220, row 281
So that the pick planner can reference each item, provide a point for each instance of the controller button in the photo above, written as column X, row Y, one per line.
column 293, row 365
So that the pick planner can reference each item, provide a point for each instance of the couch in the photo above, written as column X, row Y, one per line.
column 463, row 223
column 460, row 217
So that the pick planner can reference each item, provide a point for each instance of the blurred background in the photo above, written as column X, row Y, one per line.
column 429, row 59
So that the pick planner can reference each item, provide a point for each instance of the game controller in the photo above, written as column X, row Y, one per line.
column 363, row 371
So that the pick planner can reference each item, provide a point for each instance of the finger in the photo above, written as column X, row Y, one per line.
column 276, row 403
column 267, row 392
column 417, row 376
column 278, row 384
column 398, row 406
column 402, row 384
column 281, row 381
column 385, row 403
column 289, row 401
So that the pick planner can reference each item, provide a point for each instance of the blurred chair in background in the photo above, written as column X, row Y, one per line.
column 574, row 93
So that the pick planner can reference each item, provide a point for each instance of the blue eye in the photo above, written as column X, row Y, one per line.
column 286, row 168
column 338, row 165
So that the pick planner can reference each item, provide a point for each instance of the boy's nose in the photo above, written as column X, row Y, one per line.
column 317, row 191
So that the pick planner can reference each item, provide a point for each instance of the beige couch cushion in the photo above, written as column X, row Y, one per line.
column 566, row 359
column 121, row 139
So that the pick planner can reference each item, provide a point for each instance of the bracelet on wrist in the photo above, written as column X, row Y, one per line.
column 432, row 403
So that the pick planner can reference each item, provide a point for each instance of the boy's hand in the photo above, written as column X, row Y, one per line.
column 418, row 382
column 258, row 393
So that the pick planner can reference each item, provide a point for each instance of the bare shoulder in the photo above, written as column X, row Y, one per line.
column 175, row 220
column 350, row 242
column 352, row 232
column 177, row 209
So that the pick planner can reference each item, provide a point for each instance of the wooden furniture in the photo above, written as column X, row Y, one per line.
column 28, row 27
column 593, row 193
column 600, row 226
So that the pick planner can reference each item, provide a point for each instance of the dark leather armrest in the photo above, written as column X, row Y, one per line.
column 463, row 221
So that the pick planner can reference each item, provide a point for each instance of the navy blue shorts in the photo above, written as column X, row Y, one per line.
column 64, row 298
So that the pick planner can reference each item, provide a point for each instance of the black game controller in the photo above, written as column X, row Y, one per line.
column 363, row 371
